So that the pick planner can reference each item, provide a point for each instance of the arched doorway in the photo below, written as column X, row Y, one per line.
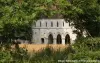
column 50, row 39
column 42, row 40
column 67, row 39
column 59, row 40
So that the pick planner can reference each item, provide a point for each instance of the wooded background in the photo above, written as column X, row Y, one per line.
column 17, row 16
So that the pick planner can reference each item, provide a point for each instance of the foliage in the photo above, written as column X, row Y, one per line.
column 20, row 55
column 78, row 51
column 86, row 49
column 14, row 20
column 89, row 18
column 17, row 16
column 92, row 44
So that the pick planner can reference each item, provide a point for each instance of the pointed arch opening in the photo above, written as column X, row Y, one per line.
column 40, row 23
column 67, row 39
column 57, row 24
column 63, row 24
column 51, row 24
column 59, row 40
column 35, row 24
column 50, row 39
column 42, row 40
column 46, row 24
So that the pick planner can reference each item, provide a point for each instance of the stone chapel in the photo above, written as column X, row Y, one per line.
column 53, row 31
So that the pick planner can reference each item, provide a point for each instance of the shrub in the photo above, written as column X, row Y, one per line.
column 83, row 49
column 92, row 44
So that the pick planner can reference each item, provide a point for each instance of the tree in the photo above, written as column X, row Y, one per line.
column 17, row 16
column 89, row 19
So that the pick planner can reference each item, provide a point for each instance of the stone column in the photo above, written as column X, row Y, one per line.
column 54, row 41
column 46, row 41
column 63, row 41
column 72, row 41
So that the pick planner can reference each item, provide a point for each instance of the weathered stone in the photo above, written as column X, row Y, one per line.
column 53, row 31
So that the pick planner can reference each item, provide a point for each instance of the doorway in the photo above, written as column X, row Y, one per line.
column 50, row 39
column 67, row 39
column 59, row 40
column 42, row 40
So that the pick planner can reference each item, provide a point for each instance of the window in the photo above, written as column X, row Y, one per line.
column 40, row 23
column 46, row 24
column 35, row 24
column 63, row 23
column 51, row 24
column 57, row 24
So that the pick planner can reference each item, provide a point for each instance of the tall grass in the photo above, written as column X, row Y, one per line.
column 79, row 51
column 20, row 55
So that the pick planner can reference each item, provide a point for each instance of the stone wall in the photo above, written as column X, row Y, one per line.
column 44, row 27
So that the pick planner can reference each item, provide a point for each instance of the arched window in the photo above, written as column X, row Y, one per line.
column 57, row 24
column 46, row 24
column 51, row 24
column 63, row 23
column 40, row 23
column 35, row 24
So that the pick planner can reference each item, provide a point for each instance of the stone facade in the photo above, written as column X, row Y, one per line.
column 53, row 31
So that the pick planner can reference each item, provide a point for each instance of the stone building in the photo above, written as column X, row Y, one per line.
column 53, row 31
